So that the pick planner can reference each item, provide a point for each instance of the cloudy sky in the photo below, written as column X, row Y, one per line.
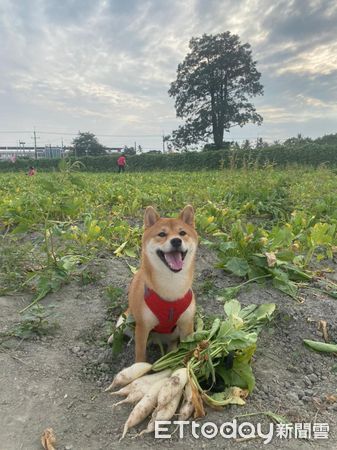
column 105, row 66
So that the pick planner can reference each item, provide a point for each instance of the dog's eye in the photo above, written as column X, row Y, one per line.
column 182, row 233
column 162, row 234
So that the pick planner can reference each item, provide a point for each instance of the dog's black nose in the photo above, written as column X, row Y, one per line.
column 176, row 242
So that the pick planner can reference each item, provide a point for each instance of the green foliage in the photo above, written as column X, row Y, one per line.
column 320, row 346
column 53, row 223
column 15, row 263
column 312, row 153
column 87, row 144
column 249, row 251
column 39, row 320
column 114, row 295
column 55, row 274
column 205, row 351
column 213, row 87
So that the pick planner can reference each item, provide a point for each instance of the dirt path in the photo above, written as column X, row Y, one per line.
column 58, row 381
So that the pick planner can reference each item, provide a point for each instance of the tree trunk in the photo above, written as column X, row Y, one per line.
column 218, row 136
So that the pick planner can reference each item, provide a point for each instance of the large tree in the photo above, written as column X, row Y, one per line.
column 87, row 144
column 213, row 89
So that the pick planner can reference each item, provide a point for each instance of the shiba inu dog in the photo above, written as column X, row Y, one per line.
column 161, row 299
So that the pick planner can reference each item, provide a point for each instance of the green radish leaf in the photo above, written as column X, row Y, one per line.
column 238, row 266
column 197, row 336
column 241, row 374
column 229, row 293
column 296, row 274
column 229, row 396
column 225, row 329
column 241, row 340
column 260, row 261
column 286, row 287
column 225, row 246
column 247, row 311
column 200, row 324
column 232, row 308
column 257, row 272
column 281, row 281
column 130, row 252
column 264, row 311
column 215, row 327
column 321, row 346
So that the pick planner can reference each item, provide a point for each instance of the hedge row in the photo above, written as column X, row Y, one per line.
column 312, row 154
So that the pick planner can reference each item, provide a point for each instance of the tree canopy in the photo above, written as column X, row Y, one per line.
column 213, row 89
column 86, row 144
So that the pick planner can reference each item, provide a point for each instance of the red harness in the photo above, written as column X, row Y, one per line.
column 166, row 312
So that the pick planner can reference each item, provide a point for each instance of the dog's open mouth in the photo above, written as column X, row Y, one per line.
column 173, row 260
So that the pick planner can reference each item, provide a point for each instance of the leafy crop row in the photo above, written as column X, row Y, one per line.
column 308, row 153
column 263, row 224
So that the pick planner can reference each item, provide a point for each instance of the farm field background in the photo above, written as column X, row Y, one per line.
column 70, row 242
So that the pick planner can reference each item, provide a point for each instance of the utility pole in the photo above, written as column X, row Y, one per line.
column 35, row 149
column 163, row 142
column 135, row 147
column 22, row 147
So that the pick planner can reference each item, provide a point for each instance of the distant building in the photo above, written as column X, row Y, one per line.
column 49, row 152
column 112, row 150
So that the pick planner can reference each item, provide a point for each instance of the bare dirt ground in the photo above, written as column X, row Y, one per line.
column 58, row 381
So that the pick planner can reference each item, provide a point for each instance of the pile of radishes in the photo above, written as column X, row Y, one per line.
column 158, row 393
column 222, row 352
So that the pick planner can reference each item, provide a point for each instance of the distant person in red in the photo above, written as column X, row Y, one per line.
column 121, row 162
column 32, row 171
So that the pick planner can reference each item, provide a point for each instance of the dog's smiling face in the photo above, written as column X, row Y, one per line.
column 170, row 243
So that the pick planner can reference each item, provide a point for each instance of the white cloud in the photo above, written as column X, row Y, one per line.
column 108, row 64
column 321, row 60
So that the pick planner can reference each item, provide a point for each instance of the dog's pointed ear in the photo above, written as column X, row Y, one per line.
column 187, row 215
column 150, row 217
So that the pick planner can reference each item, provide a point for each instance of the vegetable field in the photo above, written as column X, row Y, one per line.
column 69, row 244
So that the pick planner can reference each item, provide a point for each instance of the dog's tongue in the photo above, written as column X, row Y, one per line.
column 174, row 260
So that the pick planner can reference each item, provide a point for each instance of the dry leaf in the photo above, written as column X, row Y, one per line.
column 238, row 392
column 48, row 439
column 197, row 402
column 271, row 259
column 322, row 326
column 331, row 398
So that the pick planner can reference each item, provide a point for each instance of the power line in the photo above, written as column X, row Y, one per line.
column 129, row 135
column 75, row 134
column 18, row 131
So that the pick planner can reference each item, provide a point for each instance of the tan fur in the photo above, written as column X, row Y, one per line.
column 157, row 276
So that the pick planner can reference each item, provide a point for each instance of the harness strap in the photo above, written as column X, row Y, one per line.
column 167, row 312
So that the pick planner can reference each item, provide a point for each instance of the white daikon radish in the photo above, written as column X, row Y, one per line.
column 187, row 408
column 142, row 384
column 144, row 407
column 129, row 374
column 173, row 387
column 164, row 413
